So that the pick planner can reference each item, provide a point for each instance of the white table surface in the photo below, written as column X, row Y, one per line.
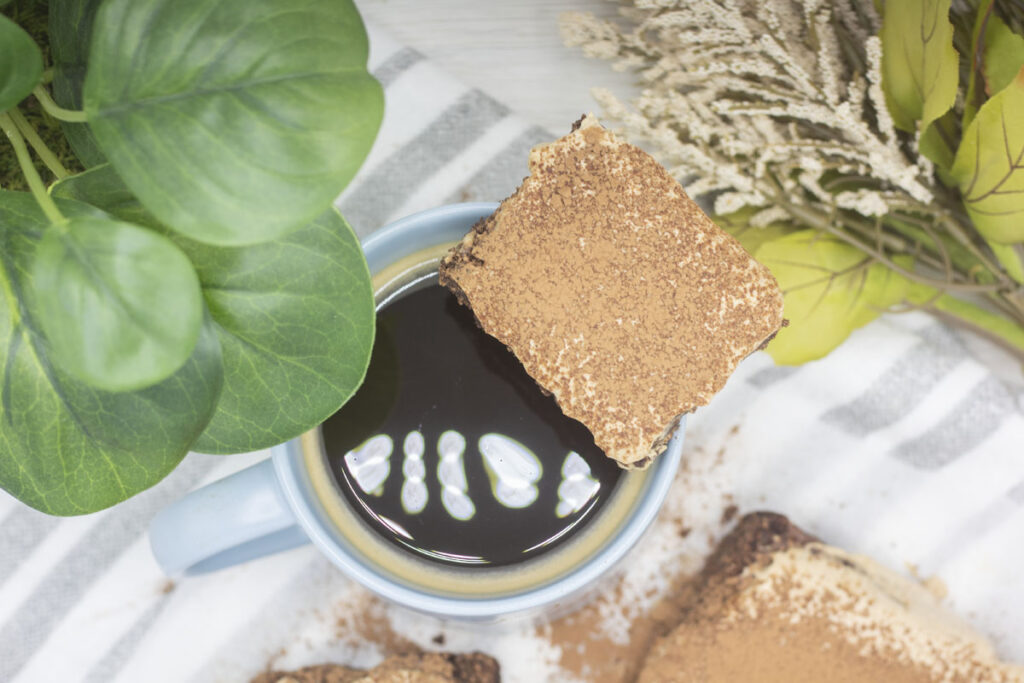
column 510, row 50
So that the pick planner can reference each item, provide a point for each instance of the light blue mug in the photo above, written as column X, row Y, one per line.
column 289, row 499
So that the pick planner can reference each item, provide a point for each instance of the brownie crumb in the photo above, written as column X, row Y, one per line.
column 430, row 667
column 729, row 513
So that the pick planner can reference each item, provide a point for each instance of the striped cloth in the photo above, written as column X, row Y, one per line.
column 899, row 444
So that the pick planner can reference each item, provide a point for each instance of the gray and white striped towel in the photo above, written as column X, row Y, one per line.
column 899, row 445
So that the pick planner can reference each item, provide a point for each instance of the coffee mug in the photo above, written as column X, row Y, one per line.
column 290, row 498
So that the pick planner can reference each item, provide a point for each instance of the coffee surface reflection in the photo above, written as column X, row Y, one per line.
column 451, row 451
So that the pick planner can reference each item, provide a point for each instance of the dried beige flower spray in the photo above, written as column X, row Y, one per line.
column 837, row 145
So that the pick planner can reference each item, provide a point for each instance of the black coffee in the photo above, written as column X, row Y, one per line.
column 450, row 449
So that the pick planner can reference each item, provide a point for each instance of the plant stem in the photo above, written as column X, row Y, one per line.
column 813, row 219
column 919, row 232
column 918, row 247
column 961, row 236
column 1009, row 298
column 35, row 183
column 1005, row 332
column 44, row 152
column 55, row 110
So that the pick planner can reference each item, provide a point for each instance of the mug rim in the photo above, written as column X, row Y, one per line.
column 383, row 247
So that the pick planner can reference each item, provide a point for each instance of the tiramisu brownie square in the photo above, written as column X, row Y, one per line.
column 616, row 292
column 774, row 605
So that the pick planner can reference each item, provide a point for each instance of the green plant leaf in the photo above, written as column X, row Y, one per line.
column 738, row 225
column 65, row 447
column 70, row 27
column 993, row 326
column 232, row 122
column 296, row 321
column 936, row 144
column 21, row 64
column 920, row 73
column 976, row 96
column 1003, row 56
column 997, row 54
column 295, row 318
column 101, row 187
column 989, row 165
column 830, row 289
column 120, row 304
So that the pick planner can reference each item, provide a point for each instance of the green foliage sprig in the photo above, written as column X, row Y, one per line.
column 194, row 288
column 870, row 153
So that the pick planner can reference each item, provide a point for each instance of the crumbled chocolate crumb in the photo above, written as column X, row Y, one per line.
column 414, row 668
column 729, row 513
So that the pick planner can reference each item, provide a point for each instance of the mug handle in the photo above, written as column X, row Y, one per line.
column 235, row 519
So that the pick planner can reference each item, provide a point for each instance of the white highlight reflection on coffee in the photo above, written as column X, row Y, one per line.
column 513, row 470
column 451, row 472
column 414, row 487
column 578, row 485
column 370, row 464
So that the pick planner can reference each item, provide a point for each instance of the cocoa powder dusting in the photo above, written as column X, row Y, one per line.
column 614, row 290
column 367, row 621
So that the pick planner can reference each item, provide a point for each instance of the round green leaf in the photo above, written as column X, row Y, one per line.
column 119, row 304
column 295, row 318
column 66, row 447
column 21, row 64
column 738, row 225
column 830, row 289
column 1003, row 56
column 920, row 68
column 989, row 165
column 232, row 122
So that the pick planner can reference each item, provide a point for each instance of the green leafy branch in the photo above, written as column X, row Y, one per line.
column 194, row 288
